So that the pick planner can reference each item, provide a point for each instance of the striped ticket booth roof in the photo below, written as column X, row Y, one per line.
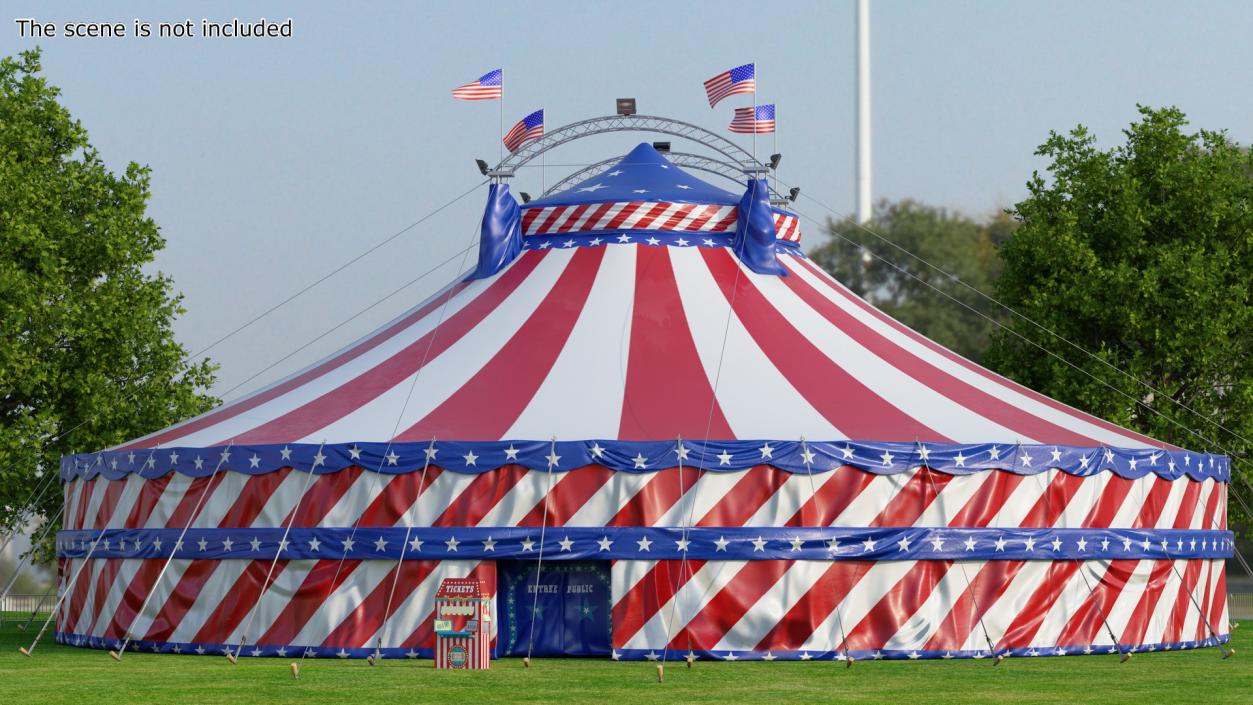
column 770, row 467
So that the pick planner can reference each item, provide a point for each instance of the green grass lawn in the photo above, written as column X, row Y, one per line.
column 59, row 674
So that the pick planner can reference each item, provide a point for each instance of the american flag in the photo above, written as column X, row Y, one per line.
column 741, row 79
column 757, row 119
column 490, row 86
column 528, row 128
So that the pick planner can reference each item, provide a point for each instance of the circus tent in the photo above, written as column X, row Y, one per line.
column 645, row 384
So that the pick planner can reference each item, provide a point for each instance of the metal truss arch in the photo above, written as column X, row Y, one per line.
column 629, row 123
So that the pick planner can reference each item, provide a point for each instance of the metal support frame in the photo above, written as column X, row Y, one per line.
column 628, row 123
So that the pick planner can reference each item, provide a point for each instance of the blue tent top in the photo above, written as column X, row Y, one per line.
column 643, row 175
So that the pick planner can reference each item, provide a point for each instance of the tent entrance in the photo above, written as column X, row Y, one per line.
column 570, row 604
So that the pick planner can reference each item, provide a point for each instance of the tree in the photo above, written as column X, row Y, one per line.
column 953, row 242
column 1140, row 254
column 87, row 356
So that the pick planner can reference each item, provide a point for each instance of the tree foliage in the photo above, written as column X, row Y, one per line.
column 1140, row 254
column 87, row 356
column 956, row 244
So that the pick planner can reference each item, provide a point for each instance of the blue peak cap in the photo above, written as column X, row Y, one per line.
column 642, row 175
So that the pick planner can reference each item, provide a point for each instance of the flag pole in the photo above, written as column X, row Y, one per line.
column 754, row 114
column 502, row 116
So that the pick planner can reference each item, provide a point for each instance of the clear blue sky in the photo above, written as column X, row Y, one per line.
column 275, row 160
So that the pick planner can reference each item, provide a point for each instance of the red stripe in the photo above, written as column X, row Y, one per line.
column 725, row 223
column 489, row 403
column 896, row 607
column 569, row 494
column 368, row 617
column 590, row 222
column 234, row 409
column 1088, row 620
column 989, row 499
column 528, row 218
column 1218, row 599
column 483, row 494
column 656, row 497
column 1052, row 501
column 85, row 488
column 987, row 586
column 1111, row 500
column 573, row 220
column 667, row 391
column 677, row 217
column 703, row 217
column 551, row 217
column 988, row 374
column 651, row 215
column 801, row 622
column 832, row 498
column 731, row 603
column 355, row 393
column 627, row 211
column 843, row 399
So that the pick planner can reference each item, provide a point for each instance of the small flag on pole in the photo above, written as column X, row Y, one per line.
column 528, row 128
column 758, row 119
column 741, row 79
column 489, row 87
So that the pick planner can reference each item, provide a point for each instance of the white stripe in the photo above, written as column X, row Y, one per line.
column 687, row 603
column 874, row 499
column 873, row 586
column 593, row 361
column 751, row 390
column 999, row 616
column 916, row 631
column 773, row 606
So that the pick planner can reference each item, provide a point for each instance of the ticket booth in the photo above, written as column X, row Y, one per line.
column 463, row 620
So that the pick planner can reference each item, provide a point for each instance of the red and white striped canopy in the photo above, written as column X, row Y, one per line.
column 646, row 330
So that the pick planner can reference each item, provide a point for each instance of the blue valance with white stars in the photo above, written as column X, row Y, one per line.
column 741, row 543
column 648, row 456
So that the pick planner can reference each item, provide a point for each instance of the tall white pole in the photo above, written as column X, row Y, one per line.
column 864, row 205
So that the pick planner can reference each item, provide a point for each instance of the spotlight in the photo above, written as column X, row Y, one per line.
column 526, row 197
column 793, row 193
column 482, row 166
column 626, row 106
column 774, row 161
column 663, row 147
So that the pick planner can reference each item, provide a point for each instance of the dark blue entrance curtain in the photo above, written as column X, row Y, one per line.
column 571, row 613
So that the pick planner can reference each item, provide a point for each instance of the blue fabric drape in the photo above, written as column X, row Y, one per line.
column 500, row 239
column 754, row 230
